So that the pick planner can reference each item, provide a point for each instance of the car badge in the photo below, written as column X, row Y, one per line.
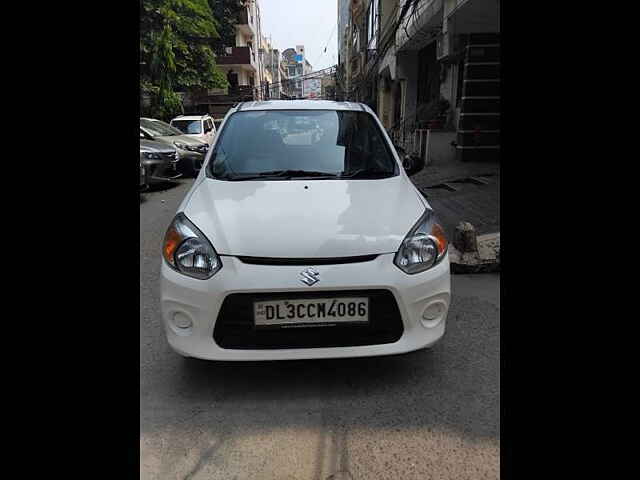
column 310, row 276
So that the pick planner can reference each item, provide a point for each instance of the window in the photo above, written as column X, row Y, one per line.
column 188, row 127
column 331, row 142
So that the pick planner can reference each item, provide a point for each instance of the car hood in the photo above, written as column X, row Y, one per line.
column 303, row 219
column 181, row 138
column 154, row 146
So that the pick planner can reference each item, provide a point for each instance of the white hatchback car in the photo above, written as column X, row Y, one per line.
column 303, row 237
column 200, row 127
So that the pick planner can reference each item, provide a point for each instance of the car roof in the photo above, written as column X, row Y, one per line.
column 302, row 105
column 152, row 120
column 191, row 117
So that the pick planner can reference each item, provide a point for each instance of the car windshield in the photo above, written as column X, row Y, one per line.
column 157, row 128
column 187, row 126
column 320, row 144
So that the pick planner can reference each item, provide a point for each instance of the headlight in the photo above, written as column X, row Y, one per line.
column 190, row 148
column 188, row 251
column 151, row 155
column 423, row 247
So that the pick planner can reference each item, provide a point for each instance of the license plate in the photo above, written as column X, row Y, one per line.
column 311, row 311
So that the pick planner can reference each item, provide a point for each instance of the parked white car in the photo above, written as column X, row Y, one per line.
column 299, row 244
column 200, row 127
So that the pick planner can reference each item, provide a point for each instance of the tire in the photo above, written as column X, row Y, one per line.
column 196, row 167
column 187, row 168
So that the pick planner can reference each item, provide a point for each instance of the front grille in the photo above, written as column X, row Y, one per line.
column 169, row 156
column 306, row 261
column 235, row 327
column 162, row 170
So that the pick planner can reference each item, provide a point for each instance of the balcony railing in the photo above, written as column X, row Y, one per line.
column 238, row 56
column 239, row 93
column 425, row 17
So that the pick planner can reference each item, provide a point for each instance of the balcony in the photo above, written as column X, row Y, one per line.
column 420, row 27
column 240, row 57
column 473, row 17
column 228, row 96
column 246, row 22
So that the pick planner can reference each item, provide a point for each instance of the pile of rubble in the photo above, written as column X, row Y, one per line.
column 471, row 253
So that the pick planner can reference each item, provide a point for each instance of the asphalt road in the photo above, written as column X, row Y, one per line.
column 428, row 414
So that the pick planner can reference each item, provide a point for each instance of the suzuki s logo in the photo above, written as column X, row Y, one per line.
column 310, row 276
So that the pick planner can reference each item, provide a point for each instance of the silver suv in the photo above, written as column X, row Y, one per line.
column 199, row 127
column 159, row 161
column 190, row 150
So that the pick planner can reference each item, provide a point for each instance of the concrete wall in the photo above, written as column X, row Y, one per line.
column 241, row 40
column 448, row 86
column 385, row 104
column 440, row 150
column 407, row 71
column 243, row 77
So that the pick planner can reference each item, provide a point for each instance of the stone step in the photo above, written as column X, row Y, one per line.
column 483, row 53
column 481, row 87
column 480, row 104
column 481, row 70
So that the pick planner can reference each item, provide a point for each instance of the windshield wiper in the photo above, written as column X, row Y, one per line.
column 285, row 174
column 305, row 173
column 367, row 173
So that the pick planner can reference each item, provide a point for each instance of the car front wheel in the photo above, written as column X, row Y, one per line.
column 197, row 166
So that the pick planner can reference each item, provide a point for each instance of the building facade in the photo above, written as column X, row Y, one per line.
column 243, row 62
column 251, row 66
column 426, row 65
column 344, row 20
column 297, row 66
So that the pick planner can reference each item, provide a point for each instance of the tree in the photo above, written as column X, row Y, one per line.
column 226, row 13
column 177, row 42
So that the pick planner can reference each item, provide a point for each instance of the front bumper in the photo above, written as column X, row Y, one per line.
column 200, row 301
column 143, row 178
column 190, row 161
column 158, row 171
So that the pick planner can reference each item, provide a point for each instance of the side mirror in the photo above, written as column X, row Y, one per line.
column 412, row 163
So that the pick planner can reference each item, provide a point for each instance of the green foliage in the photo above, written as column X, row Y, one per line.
column 177, row 43
column 226, row 11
